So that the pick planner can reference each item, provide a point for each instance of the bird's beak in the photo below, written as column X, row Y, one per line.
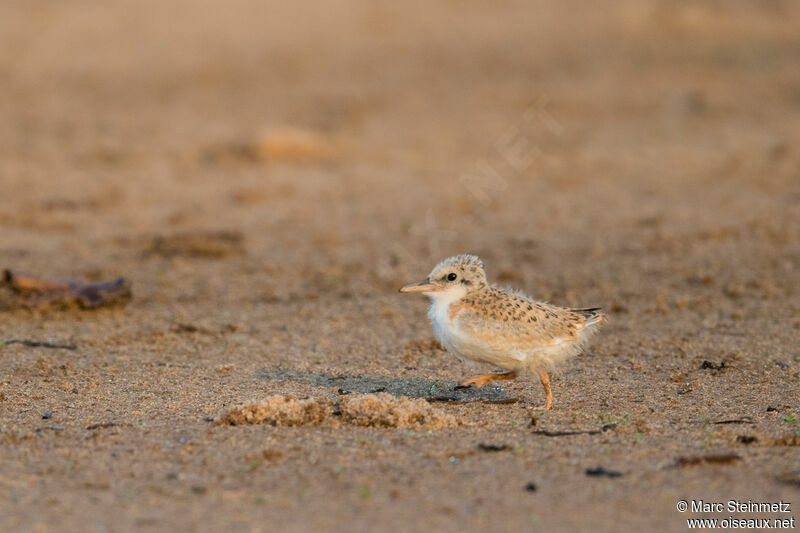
column 421, row 286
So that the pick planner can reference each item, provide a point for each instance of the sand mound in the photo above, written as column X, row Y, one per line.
column 387, row 411
column 280, row 411
column 370, row 410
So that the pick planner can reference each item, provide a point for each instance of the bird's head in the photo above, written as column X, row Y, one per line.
column 452, row 279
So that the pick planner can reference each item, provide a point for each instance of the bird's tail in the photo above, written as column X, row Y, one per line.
column 592, row 315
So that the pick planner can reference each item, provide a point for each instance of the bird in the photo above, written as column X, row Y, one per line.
column 481, row 322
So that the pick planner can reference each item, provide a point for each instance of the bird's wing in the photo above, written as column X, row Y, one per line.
column 520, row 327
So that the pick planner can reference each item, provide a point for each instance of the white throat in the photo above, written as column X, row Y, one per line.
column 439, row 315
column 439, row 312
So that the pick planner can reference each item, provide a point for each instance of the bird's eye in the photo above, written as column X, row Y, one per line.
column 451, row 276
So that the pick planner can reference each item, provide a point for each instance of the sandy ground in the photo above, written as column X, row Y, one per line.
column 638, row 155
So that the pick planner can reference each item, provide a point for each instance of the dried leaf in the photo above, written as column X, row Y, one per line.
column 35, row 292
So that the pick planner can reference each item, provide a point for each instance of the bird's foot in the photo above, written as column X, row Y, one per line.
column 485, row 379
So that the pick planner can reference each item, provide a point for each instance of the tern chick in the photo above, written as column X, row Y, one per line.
column 480, row 322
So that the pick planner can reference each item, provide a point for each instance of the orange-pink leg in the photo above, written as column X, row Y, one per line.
column 485, row 379
column 548, row 403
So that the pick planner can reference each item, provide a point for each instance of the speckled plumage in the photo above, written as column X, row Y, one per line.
column 481, row 322
column 512, row 323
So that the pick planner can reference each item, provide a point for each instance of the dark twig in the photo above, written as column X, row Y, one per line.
column 453, row 399
column 605, row 427
column 714, row 459
column 600, row 471
column 742, row 420
column 548, row 433
column 492, row 447
column 51, row 428
column 39, row 344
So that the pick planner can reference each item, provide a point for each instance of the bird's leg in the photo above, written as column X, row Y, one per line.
column 548, row 403
column 485, row 379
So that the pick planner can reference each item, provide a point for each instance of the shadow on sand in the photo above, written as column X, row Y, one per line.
column 433, row 391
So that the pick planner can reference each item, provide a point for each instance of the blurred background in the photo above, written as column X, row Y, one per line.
column 381, row 134
column 271, row 172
